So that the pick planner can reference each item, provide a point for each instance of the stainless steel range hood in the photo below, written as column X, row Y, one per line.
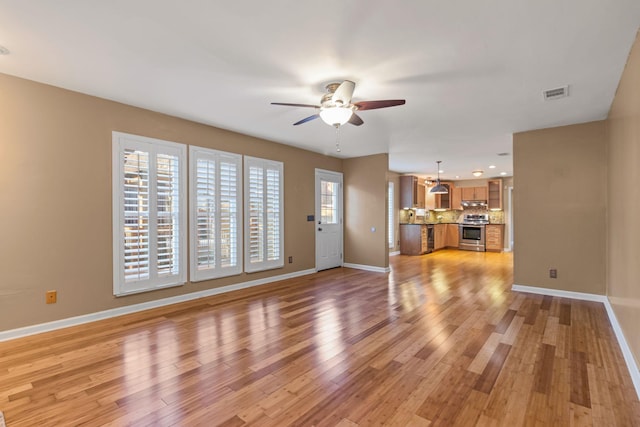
column 474, row 203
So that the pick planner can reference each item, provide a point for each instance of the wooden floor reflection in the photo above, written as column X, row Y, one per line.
column 441, row 340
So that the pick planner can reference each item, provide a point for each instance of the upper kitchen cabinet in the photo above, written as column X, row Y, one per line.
column 451, row 200
column 495, row 194
column 474, row 193
column 456, row 198
column 444, row 201
column 412, row 192
column 430, row 200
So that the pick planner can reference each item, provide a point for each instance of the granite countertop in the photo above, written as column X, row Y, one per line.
column 427, row 223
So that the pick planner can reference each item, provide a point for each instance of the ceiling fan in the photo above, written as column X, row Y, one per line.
column 336, row 107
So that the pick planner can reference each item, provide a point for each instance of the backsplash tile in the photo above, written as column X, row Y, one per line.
column 408, row 216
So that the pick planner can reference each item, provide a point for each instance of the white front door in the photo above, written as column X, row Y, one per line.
column 328, row 219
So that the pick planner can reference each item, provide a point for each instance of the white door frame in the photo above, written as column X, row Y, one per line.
column 320, row 173
column 510, row 218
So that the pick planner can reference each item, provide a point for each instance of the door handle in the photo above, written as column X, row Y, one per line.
column 319, row 229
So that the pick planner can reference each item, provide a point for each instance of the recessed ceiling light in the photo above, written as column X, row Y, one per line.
column 477, row 172
column 4, row 51
column 440, row 171
column 457, row 176
column 492, row 167
column 503, row 173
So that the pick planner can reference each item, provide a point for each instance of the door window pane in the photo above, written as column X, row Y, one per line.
column 328, row 202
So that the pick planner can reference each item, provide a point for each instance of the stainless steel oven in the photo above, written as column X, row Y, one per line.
column 472, row 237
column 472, row 232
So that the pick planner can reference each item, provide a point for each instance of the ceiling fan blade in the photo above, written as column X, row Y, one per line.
column 372, row 105
column 306, row 119
column 295, row 105
column 355, row 120
column 344, row 92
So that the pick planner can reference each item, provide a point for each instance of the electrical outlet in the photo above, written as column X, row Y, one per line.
column 290, row 260
column 52, row 297
column 553, row 273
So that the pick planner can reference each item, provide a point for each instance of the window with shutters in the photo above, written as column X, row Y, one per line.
column 149, row 224
column 391, row 219
column 215, row 206
column 263, row 213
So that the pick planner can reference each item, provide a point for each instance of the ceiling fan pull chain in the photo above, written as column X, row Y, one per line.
column 337, row 138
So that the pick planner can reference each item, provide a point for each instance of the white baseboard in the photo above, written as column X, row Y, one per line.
column 394, row 253
column 559, row 293
column 134, row 308
column 367, row 267
column 632, row 367
column 624, row 346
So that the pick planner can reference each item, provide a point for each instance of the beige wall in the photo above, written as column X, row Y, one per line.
column 55, row 193
column 365, row 198
column 559, row 207
column 623, row 226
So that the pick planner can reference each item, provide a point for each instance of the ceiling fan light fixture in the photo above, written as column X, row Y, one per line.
column 335, row 116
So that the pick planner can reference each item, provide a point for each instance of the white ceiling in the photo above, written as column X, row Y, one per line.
column 472, row 72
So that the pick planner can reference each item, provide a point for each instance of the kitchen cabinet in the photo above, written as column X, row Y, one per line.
column 452, row 235
column 439, row 236
column 494, row 237
column 413, row 239
column 495, row 194
column 456, row 198
column 430, row 200
column 474, row 193
column 412, row 192
column 443, row 201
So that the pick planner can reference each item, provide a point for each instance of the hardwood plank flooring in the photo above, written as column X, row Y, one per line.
column 439, row 341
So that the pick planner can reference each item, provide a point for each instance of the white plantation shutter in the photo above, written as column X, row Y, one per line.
column 149, row 228
column 167, row 214
column 255, row 215
column 136, row 215
column 264, row 223
column 273, row 214
column 215, row 213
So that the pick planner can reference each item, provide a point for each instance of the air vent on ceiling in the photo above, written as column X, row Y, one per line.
column 557, row 93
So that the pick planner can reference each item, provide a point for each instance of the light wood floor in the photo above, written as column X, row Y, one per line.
column 441, row 340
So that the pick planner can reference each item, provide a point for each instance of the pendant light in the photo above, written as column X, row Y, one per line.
column 439, row 188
